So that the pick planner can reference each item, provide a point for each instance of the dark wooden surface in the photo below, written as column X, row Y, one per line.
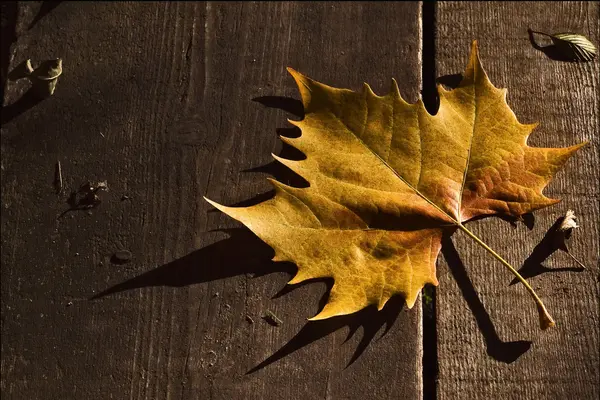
column 156, row 98
column 170, row 102
column 483, row 324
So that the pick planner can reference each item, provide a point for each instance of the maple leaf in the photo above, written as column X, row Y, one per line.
column 386, row 178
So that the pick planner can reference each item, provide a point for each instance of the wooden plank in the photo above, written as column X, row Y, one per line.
column 484, row 325
column 156, row 99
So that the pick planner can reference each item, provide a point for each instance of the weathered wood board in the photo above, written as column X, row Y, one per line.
column 484, row 324
column 172, row 101
column 156, row 98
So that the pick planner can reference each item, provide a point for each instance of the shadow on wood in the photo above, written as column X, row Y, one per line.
column 213, row 262
column 244, row 253
column 369, row 319
column 28, row 100
column 533, row 264
column 527, row 219
column 288, row 104
column 279, row 171
column 499, row 350
column 8, row 23
column 275, row 169
column 451, row 81
column 45, row 9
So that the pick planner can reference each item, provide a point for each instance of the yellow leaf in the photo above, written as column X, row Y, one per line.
column 386, row 178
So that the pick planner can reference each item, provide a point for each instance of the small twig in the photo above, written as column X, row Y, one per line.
column 576, row 260
column 59, row 178
column 272, row 319
column 539, row 33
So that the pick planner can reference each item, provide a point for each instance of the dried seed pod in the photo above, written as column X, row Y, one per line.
column 122, row 256
column 564, row 232
column 45, row 76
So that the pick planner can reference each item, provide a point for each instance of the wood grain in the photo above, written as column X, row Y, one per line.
column 156, row 98
column 483, row 323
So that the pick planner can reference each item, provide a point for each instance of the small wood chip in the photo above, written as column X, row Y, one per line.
column 122, row 256
column 102, row 185
column 58, row 179
column 212, row 357
column 272, row 319
column 249, row 319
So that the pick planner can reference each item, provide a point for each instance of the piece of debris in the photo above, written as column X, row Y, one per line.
column 212, row 356
column 249, row 319
column 564, row 232
column 69, row 304
column 45, row 76
column 124, row 197
column 58, row 179
column 227, row 306
column 216, row 294
column 272, row 319
column 89, row 200
column 102, row 134
column 87, row 196
column 102, row 185
column 569, row 222
column 122, row 257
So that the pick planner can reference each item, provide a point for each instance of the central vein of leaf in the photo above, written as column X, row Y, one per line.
column 404, row 180
column 464, row 180
column 545, row 318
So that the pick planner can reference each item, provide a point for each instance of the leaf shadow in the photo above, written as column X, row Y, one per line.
column 527, row 219
column 210, row 263
column 277, row 171
column 288, row 104
column 369, row 319
column 274, row 168
column 45, row 9
column 27, row 101
column 253, row 257
column 244, row 253
column 8, row 24
column 499, row 350
column 532, row 266
column 451, row 80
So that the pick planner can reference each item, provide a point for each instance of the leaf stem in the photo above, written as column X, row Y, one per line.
column 546, row 320
column 576, row 260
column 540, row 33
